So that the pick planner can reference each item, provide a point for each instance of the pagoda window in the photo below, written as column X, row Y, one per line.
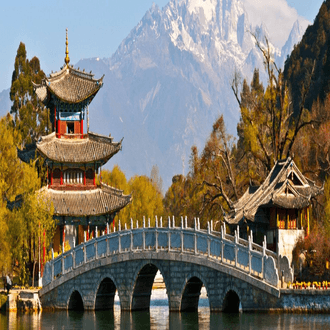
column 73, row 177
column 292, row 219
column 281, row 218
column 70, row 127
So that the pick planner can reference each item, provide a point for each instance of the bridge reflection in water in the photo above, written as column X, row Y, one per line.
column 236, row 273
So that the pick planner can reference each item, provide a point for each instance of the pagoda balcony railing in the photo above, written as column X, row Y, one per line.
column 218, row 247
column 76, row 186
column 71, row 136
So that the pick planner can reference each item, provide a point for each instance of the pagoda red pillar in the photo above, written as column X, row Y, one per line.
column 59, row 128
column 61, row 178
column 81, row 128
column 51, row 177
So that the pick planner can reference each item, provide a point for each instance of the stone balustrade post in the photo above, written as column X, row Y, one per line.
column 173, row 224
column 132, row 226
column 222, row 241
column 63, row 247
column 208, row 228
column 52, row 265
column 264, row 245
column 108, row 230
column 211, row 225
column 161, row 222
column 85, row 237
column 250, row 256
column 186, row 222
column 144, row 236
column 195, row 224
column 119, row 225
column 96, row 233
column 137, row 223
column 148, row 222
column 144, row 222
column 182, row 223
column 125, row 226
column 198, row 224
column 156, row 221
column 236, row 247
column 169, row 222
column 131, row 234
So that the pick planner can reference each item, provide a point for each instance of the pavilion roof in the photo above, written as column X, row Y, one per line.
column 69, row 85
column 95, row 202
column 285, row 187
column 92, row 148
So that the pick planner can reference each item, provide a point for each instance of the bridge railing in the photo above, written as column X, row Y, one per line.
column 220, row 247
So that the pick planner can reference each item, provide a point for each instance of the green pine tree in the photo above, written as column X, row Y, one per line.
column 31, row 118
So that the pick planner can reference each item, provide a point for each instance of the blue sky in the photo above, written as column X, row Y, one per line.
column 96, row 28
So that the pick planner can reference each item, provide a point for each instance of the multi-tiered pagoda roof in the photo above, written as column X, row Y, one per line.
column 73, row 158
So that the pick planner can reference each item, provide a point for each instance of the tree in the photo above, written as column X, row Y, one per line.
column 31, row 118
column 147, row 198
column 268, row 127
column 19, row 183
column 156, row 179
column 115, row 178
column 146, row 202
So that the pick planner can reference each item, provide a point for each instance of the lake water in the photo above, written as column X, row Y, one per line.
column 159, row 318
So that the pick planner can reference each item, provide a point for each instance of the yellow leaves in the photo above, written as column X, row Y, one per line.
column 147, row 198
column 116, row 178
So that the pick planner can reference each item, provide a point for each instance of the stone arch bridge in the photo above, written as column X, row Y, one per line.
column 236, row 273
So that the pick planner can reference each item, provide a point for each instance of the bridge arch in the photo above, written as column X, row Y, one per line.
column 191, row 290
column 75, row 301
column 232, row 302
column 105, row 294
column 144, row 277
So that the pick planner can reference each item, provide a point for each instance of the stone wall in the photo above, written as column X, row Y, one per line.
column 287, row 239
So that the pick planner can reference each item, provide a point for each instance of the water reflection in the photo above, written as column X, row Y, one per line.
column 159, row 317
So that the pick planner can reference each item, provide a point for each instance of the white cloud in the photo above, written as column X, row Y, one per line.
column 276, row 15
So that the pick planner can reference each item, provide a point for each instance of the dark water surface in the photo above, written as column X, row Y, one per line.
column 159, row 318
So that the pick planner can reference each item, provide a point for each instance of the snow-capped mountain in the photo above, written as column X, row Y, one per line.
column 171, row 78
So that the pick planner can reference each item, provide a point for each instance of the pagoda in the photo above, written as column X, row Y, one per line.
column 73, row 159
column 279, row 208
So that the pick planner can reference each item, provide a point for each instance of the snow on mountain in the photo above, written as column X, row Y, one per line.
column 170, row 79
column 295, row 36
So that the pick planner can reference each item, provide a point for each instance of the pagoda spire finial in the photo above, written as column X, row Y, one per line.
column 67, row 58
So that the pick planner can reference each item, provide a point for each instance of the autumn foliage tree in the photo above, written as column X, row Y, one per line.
column 19, row 183
column 146, row 193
